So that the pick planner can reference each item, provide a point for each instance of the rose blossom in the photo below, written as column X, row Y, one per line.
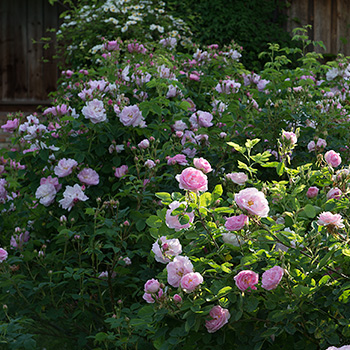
column 344, row 347
column 121, row 171
column 89, row 177
column 321, row 143
column 253, row 201
column 179, row 126
column 152, row 286
column 46, row 193
column 164, row 249
column 237, row 178
column 144, row 144
column 172, row 221
column 236, row 223
column 149, row 297
column 271, row 278
column 246, row 279
column 335, row 193
column 3, row 255
column 71, row 195
column 17, row 241
column 191, row 281
column 95, row 111
column 10, row 125
column 219, row 317
column 52, row 181
column 65, row 167
column 180, row 266
column 177, row 298
column 332, row 158
column 231, row 238
column 328, row 219
column 178, row 159
column 312, row 192
column 150, row 164
column 201, row 119
column 311, row 146
column 132, row 116
column 290, row 136
column 202, row 164
column 193, row 180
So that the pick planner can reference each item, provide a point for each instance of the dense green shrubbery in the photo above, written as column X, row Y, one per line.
column 91, row 187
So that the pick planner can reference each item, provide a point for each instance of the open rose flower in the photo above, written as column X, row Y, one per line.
column 152, row 286
column 237, row 178
column 201, row 119
column 312, row 192
column 164, row 249
column 253, row 201
column 172, row 221
column 46, row 194
column 72, row 195
column 3, row 255
column 180, row 266
column 65, row 167
column 132, row 116
column 121, row 171
column 193, row 180
column 236, row 223
column 11, row 125
column 246, row 279
column 191, row 281
column 271, row 278
column 332, row 158
column 89, row 177
column 219, row 317
column 328, row 219
column 344, row 347
column 202, row 164
column 95, row 111
column 289, row 137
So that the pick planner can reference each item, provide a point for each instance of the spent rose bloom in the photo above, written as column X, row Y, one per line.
column 335, row 193
column 152, row 286
column 191, row 281
column 246, row 279
column 172, row 221
column 89, row 177
column 312, row 192
column 202, row 164
column 252, row 201
column 180, row 266
column 237, row 178
column 332, row 158
column 95, row 111
column 121, row 171
column 132, row 116
column 193, row 180
column 3, row 254
column 271, row 278
column 178, row 159
column 71, row 195
column 328, row 219
column 65, row 167
column 201, row 119
column 46, row 194
column 236, row 223
column 219, row 317
column 164, row 249
column 290, row 136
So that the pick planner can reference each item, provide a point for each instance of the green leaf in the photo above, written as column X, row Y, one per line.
column 179, row 210
column 280, row 169
column 224, row 291
column 346, row 252
column 251, row 143
column 244, row 166
column 205, row 200
column 310, row 211
column 237, row 147
column 164, row 197
column 154, row 221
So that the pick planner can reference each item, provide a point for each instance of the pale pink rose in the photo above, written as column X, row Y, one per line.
column 180, row 266
column 149, row 297
column 311, row 146
column 164, row 249
column 236, row 223
column 271, row 278
column 178, row 159
column 290, row 136
column 132, row 116
column 190, row 152
column 227, row 87
column 72, row 195
column 65, row 167
column 89, row 177
column 202, row 164
column 252, row 201
column 152, row 286
column 11, row 125
column 3, row 254
column 321, row 143
column 312, row 192
column 104, row 274
column 193, row 180
column 144, row 144
column 111, row 45
column 237, row 178
column 344, row 347
column 332, row 158
column 191, row 281
column 328, row 219
column 17, row 241
column 172, row 221
column 222, row 135
column 52, row 181
column 177, row 298
column 150, row 164
column 180, row 126
column 219, row 317
column 201, row 119
column 246, row 279
column 121, row 171
column 335, row 193
column 46, row 194
column 95, row 111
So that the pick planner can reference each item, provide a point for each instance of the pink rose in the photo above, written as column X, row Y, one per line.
column 332, row 158
column 3, row 254
column 193, row 180
column 246, row 279
column 46, row 194
column 191, row 281
column 10, row 125
column 52, row 181
column 202, row 164
column 172, row 221
column 149, row 297
column 219, row 317
column 321, row 143
column 144, row 144
column 252, row 201
column 180, row 266
column 65, row 167
column 89, row 177
column 121, row 171
column 178, row 159
column 335, row 193
column 164, row 249
column 132, row 116
column 152, row 286
column 312, row 192
column 150, row 164
column 201, row 119
column 271, row 278
column 311, row 146
column 177, row 298
column 290, row 137
column 328, row 219
column 95, row 111
column 344, row 347
column 237, row 178
column 236, row 223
